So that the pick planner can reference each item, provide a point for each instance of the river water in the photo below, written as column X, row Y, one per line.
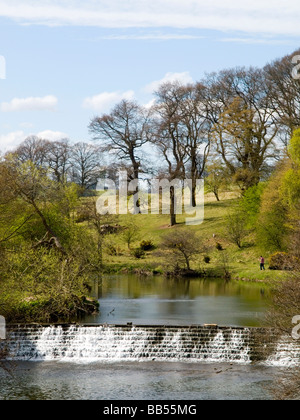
column 137, row 381
column 154, row 301
column 159, row 301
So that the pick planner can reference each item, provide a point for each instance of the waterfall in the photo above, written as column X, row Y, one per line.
column 108, row 343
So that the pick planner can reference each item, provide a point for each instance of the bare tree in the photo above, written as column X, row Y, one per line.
column 53, row 156
column 33, row 149
column 183, row 246
column 86, row 165
column 197, row 131
column 123, row 131
column 168, row 135
column 58, row 159
column 284, row 94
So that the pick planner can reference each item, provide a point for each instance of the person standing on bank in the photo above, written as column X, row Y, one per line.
column 262, row 263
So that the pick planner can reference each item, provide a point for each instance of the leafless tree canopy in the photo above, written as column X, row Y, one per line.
column 64, row 162
column 122, row 132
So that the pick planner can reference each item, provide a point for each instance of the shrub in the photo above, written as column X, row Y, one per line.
column 111, row 250
column 219, row 246
column 183, row 246
column 236, row 228
column 138, row 253
column 283, row 261
column 147, row 245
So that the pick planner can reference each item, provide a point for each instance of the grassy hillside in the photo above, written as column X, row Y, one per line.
column 243, row 264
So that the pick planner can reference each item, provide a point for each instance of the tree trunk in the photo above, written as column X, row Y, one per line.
column 172, row 207
column 194, row 200
column 217, row 195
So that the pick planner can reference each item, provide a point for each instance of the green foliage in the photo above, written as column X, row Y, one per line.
column 46, row 259
column 183, row 246
column 206, row 259
column 272, row 228
column 290, row 185
column 147, row 245
column 294, row 147
column 138, row 253
column 37, row 285
column 291, row 188
column 111, row 249
column 250, row 204
column 130, row 234
column 217, row 178
column 236, row 228
column 219, row 246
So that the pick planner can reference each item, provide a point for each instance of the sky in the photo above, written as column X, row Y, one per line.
column 63, row 62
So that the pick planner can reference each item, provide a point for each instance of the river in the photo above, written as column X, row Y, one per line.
column 146, row 301
column 157, row 300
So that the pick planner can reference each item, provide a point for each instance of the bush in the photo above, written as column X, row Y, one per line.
column 283, row 261
column 219, row 246
column 182, row 246
column 111, row 250
column 236, row 228
column 147, row 245
column 138, row 253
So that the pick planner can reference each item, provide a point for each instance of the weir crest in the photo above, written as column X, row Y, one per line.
column 119, row 343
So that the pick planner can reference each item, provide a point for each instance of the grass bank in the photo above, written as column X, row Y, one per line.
column 223, row 256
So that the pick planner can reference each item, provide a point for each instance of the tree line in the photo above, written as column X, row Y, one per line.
column 243, row 116
column 79, row 163
column 234, row 124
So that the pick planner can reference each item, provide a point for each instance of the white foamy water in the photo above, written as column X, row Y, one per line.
column 87, row 344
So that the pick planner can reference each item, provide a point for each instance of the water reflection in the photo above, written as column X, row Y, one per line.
column 130, row 381
column 157, row 300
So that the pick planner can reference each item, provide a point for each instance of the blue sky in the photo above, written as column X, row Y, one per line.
column 67, row 61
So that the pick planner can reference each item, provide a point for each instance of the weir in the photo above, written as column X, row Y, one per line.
column 119, row 343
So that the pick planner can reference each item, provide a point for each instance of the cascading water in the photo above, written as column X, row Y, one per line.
column 106, row 343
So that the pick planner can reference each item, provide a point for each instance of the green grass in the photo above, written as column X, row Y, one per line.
column 243, row 264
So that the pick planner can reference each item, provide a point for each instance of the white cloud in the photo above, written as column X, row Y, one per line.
column 150, row 104
column 11, row 140
column 52, row 135
column 152, row 37
column 184, row 77
column 252, row 16
column 104, row 101
column 263, row 41
column 47, row 103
